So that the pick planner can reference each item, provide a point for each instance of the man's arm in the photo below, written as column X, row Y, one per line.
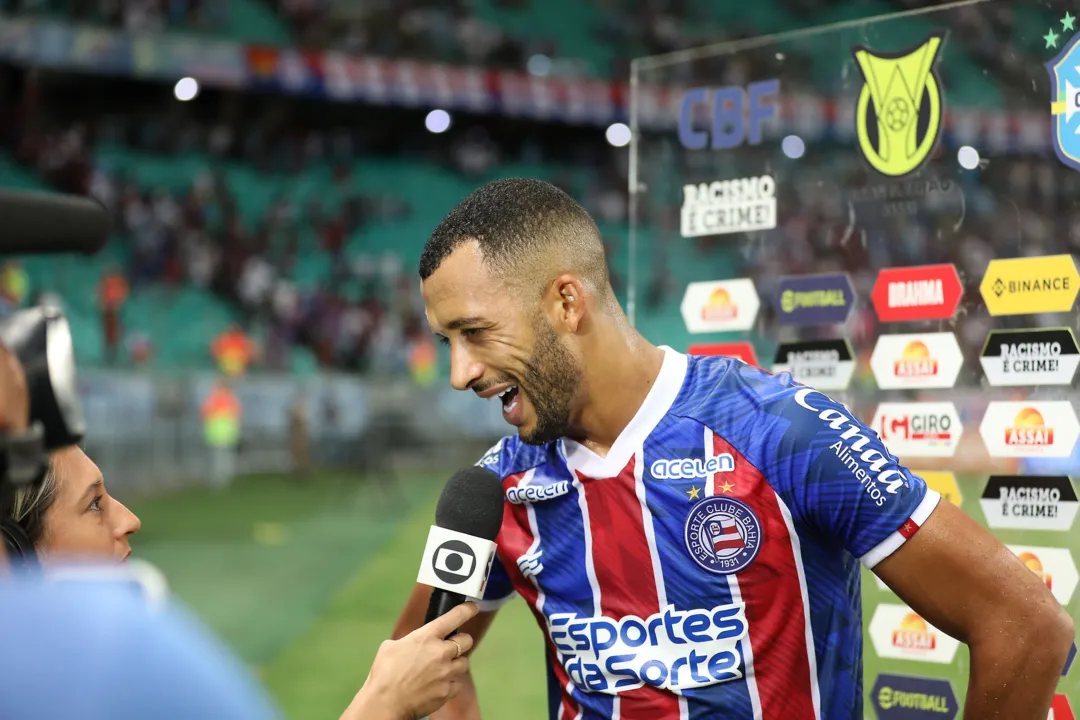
column 958, row 577
column 465, row 704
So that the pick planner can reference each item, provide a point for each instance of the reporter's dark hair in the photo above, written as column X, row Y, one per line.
column 31, row 502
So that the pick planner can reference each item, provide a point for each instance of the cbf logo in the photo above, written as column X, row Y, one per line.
column 723, row 535
column 1065, row 102
column 898, row 116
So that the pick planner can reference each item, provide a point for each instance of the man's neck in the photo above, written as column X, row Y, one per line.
column 621, row 368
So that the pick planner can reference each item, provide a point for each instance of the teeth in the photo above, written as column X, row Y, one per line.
column 504, row 392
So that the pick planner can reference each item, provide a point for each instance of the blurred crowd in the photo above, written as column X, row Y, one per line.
column 134, row 15
column 365, row 316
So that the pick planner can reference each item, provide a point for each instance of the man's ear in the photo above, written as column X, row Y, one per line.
column 565, row 303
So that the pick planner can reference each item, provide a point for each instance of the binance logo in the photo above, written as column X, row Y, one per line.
column 999, row 287
column 899, row 112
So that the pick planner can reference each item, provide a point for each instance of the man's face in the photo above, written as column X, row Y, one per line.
column 502, row 346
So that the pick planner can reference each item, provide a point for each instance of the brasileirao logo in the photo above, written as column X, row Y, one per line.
column 900, row 107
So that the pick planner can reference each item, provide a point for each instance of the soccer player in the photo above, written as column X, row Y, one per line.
column 688, row 530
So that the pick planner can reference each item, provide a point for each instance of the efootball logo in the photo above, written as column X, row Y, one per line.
column 899, row 111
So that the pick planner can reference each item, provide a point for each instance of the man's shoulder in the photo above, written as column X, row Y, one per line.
column 510, row 456
column 722, row 390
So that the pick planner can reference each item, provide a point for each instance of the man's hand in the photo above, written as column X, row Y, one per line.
column 957, row 576
column 415, row 676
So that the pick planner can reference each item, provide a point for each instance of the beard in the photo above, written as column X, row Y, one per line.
column 551, row 378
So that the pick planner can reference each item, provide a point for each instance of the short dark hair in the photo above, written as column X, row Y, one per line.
column 518, row 221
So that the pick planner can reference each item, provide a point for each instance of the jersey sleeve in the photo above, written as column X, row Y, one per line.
column 845, row 482
column 499, row 589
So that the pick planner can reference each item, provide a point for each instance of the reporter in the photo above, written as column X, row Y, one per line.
column 70, row 515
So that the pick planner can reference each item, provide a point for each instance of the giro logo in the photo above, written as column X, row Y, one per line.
column 537, row 493
column 454, row 562
column 668, row 650
column 864, row 457
column 690, row 468
column 899, row 111
column 919, row 429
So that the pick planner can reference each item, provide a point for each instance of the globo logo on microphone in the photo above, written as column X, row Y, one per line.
column 456, row 562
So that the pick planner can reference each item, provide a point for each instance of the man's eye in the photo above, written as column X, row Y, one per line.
column 470, row 332
column 443, row 340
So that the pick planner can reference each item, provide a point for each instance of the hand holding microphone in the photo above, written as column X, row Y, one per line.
column 415, row 676
column 460, row 546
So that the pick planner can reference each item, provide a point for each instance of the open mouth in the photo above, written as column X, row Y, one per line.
column 509, row 397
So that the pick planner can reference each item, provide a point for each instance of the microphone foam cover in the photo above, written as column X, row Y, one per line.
column 471, row 503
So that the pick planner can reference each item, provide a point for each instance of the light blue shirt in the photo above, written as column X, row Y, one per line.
column 98, row 650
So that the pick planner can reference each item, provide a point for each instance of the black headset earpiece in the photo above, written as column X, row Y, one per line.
column 17, row 542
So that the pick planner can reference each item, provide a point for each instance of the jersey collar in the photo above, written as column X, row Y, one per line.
column 656, row 405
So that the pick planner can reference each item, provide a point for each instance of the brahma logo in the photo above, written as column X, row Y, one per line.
column 899, row 633
column 928, row 360
column 537, row 492
column 1046, row 428
column 919, row 429
column 1054, row 566
column 690, row 468
column 926, row 292
column 720, row 306
column 876, row 471
column 672, row 649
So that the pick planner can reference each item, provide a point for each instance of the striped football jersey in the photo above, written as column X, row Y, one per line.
column 708, row 565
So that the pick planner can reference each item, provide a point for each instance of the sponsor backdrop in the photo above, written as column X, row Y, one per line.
column 851, row 262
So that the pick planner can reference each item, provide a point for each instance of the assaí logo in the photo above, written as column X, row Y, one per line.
column 876, row 471
column 669, row 649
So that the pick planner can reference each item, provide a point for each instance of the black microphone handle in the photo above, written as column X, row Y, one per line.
column 442, row 602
